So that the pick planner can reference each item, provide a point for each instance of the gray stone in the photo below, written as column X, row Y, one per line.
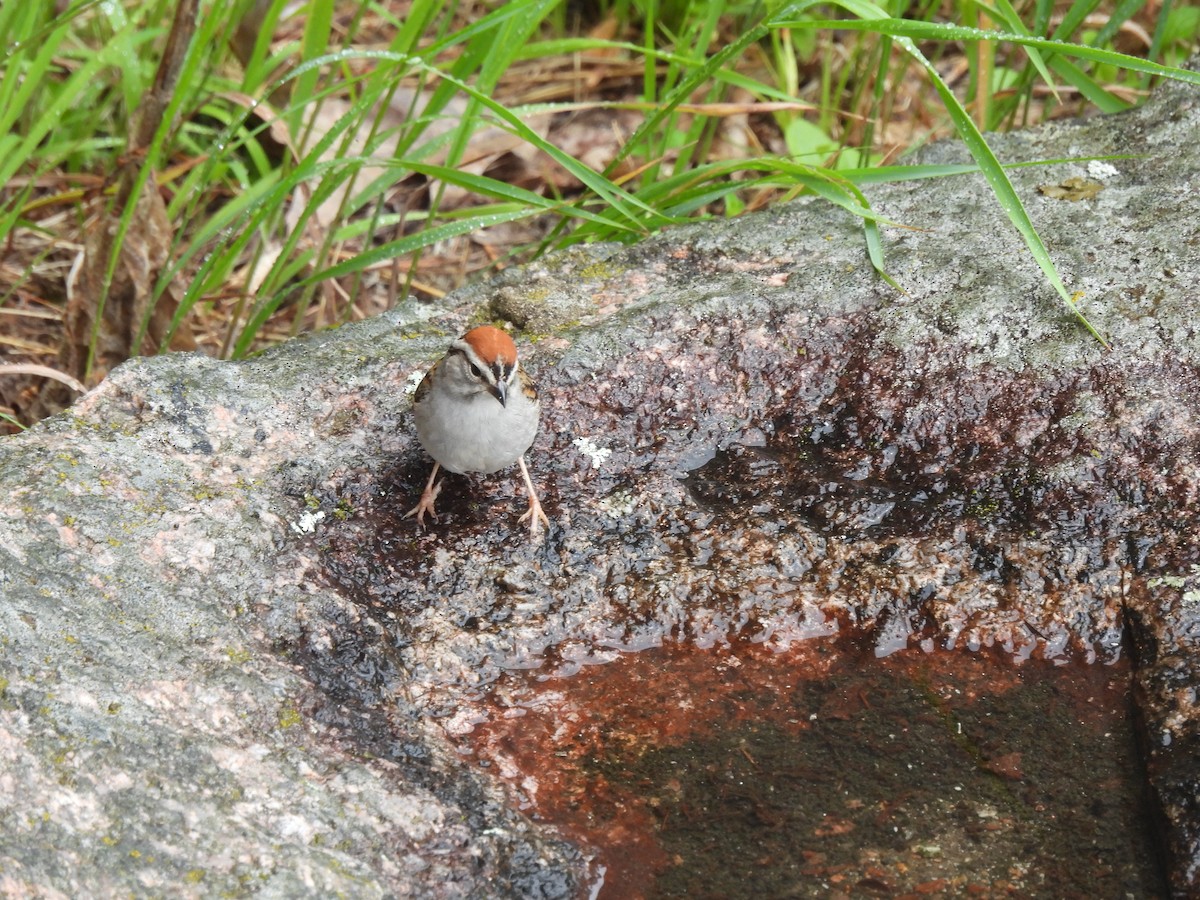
column 231, row 667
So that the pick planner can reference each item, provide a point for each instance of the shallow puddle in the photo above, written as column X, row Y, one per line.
column 824, row 772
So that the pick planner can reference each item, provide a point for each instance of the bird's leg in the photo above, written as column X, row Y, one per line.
column 428, row 498
column 535, row 513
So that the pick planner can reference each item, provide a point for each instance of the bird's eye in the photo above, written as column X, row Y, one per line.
column 475, row 371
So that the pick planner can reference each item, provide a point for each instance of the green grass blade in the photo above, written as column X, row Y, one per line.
column 1005, row 14
column 897, row 174
column 1102, row 99
column 975, row 142
column 1115, row 19
column 318, row 26
column 1077, row 13
column 372, row 257
column 936, row 31
column 501, row 190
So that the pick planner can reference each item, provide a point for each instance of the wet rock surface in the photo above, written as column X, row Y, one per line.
column 230, row 663
column 743, row 772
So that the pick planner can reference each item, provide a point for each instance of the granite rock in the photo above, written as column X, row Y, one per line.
column 231, row 666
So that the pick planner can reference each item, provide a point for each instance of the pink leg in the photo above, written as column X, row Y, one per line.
column 428, row 498
column 535, row 512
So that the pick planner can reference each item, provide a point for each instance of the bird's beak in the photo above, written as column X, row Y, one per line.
column 501, row 392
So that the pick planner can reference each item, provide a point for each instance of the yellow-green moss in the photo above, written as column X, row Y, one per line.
column 289, row 716
column 238, row 655
column 604, row 269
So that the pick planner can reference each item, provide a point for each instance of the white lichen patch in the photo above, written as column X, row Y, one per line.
column 1179, row 581
column 308, row 521
column 617, row 504
column 593, row 451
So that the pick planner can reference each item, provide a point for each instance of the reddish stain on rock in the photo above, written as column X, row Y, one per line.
column 824, row 772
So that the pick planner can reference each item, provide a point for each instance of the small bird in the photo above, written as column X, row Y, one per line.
column 477, row 411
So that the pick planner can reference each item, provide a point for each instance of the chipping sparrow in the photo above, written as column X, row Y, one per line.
column 477, row 411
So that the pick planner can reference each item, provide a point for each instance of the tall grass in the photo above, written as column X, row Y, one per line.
column 279, row 155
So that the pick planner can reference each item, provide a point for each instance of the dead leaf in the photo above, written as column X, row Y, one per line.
column 1073, row 189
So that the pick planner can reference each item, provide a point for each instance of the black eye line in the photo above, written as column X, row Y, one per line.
column 503, row 371
column 476, row 372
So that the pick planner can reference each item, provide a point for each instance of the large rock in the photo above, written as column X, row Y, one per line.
column 229, row 665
